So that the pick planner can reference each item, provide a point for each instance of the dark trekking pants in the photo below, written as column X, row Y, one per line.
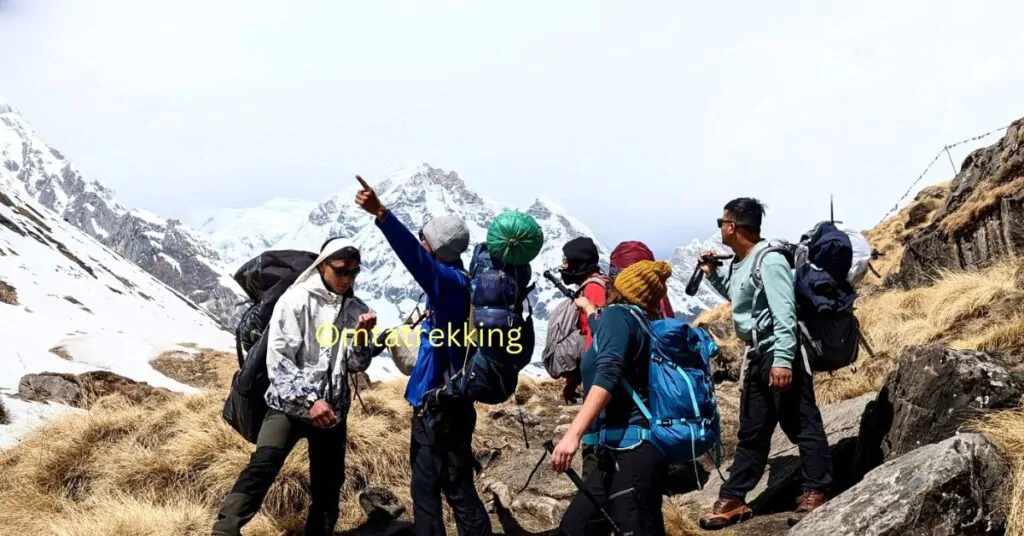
column 278, row 436
column 629, row 485
column 796, row 412
column 441, row 456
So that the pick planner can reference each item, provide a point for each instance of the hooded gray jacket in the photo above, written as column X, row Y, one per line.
column 302, row 345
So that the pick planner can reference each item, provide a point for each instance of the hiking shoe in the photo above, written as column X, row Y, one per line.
column 807, row 503
column 726, row 512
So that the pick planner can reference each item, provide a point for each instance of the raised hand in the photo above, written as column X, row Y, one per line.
column 367, row 199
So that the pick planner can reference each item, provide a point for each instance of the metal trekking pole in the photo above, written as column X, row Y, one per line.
column 578, row 482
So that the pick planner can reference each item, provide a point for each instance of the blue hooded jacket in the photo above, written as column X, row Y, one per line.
column 447, row 291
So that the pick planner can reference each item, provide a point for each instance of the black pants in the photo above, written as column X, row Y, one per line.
column 796, row 412
column 278, row 435
column 441, row 456
column 629, row 486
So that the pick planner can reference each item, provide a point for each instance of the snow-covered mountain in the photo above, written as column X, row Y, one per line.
column 171, row 251
column 70, row 304
column 237, row 233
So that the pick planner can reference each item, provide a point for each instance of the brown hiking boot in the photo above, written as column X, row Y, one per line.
column 726, row 512
column 807, row 503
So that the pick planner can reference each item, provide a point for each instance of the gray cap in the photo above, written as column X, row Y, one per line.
column 448, row 236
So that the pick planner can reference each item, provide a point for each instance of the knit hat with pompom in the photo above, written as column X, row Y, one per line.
column 643, row 283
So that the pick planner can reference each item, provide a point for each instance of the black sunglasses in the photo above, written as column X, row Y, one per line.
column 342, row 272
column 722, row 222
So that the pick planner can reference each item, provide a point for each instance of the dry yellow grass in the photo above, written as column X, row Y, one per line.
column 1006, row 430
column 129, row 469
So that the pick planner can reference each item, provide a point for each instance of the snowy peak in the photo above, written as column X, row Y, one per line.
column 236, row 232
column 175, row 253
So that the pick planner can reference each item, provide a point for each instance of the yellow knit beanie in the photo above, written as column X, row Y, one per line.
column 643, row 283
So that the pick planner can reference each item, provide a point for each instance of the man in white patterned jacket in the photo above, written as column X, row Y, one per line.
column 313, row 344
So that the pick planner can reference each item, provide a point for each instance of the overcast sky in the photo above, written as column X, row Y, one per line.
column 641, row 118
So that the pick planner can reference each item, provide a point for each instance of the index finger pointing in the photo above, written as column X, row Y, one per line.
column 363, row 183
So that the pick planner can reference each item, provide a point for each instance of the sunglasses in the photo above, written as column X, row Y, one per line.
column 344, row 272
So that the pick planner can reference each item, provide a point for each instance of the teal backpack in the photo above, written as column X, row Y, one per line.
column 682, row 409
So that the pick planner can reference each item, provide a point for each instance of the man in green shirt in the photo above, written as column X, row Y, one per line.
column 776, row 385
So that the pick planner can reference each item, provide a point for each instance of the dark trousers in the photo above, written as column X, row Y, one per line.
column 796, row 412
column 629, row 486
column 441, row 456
column 278, row 435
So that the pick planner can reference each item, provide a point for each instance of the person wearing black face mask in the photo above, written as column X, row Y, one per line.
column 579, row 267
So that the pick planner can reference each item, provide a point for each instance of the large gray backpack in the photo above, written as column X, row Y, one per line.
column 563, row 346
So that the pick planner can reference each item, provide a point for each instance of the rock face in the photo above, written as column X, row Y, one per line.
column 947, row 488
column 82, row 390
column 931, row 393
column 983, row 218
column 779, row 487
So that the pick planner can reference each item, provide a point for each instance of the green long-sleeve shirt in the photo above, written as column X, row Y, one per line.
column 774, row 314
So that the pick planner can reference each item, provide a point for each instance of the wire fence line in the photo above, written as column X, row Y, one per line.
column 945, row 149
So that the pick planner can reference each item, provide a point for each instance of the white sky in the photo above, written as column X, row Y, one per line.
column 642, row 119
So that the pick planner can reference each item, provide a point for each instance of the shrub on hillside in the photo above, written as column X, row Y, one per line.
column 4, row 418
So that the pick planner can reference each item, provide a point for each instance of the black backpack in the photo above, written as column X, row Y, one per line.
column 829, row 335
column 264, row 279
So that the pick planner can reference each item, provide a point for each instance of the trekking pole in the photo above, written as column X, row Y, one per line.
column 578, row 482
column 558, row 284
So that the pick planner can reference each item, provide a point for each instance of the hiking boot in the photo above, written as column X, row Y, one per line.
column 726, row 512
column 807, row 503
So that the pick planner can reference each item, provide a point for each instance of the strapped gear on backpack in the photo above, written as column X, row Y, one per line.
column 827, row 262
column 564, row 343
column 682, row 409
column 503, row 340
column 264, row 279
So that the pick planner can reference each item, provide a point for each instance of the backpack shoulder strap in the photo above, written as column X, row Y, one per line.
column 755, row 272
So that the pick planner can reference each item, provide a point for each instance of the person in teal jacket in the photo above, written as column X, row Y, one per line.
column 441, row 454
column 776, row 385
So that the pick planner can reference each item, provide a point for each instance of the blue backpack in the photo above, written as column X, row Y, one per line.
column 505, row 339
column 683, row 409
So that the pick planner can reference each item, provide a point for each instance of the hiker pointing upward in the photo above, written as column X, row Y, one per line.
column 628, row 480
column 440, row 454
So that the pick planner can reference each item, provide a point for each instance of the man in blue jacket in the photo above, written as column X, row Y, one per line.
column 441, row 454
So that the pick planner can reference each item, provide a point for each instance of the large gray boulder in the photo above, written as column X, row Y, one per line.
column 928, row 397
column 947, row 488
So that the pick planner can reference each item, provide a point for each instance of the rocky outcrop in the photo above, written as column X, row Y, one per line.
column 982, row 220
column 82, row 390
column 947, row 488
column 928, row 397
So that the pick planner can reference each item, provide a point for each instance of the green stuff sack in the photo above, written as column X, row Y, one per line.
column 514, row 238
